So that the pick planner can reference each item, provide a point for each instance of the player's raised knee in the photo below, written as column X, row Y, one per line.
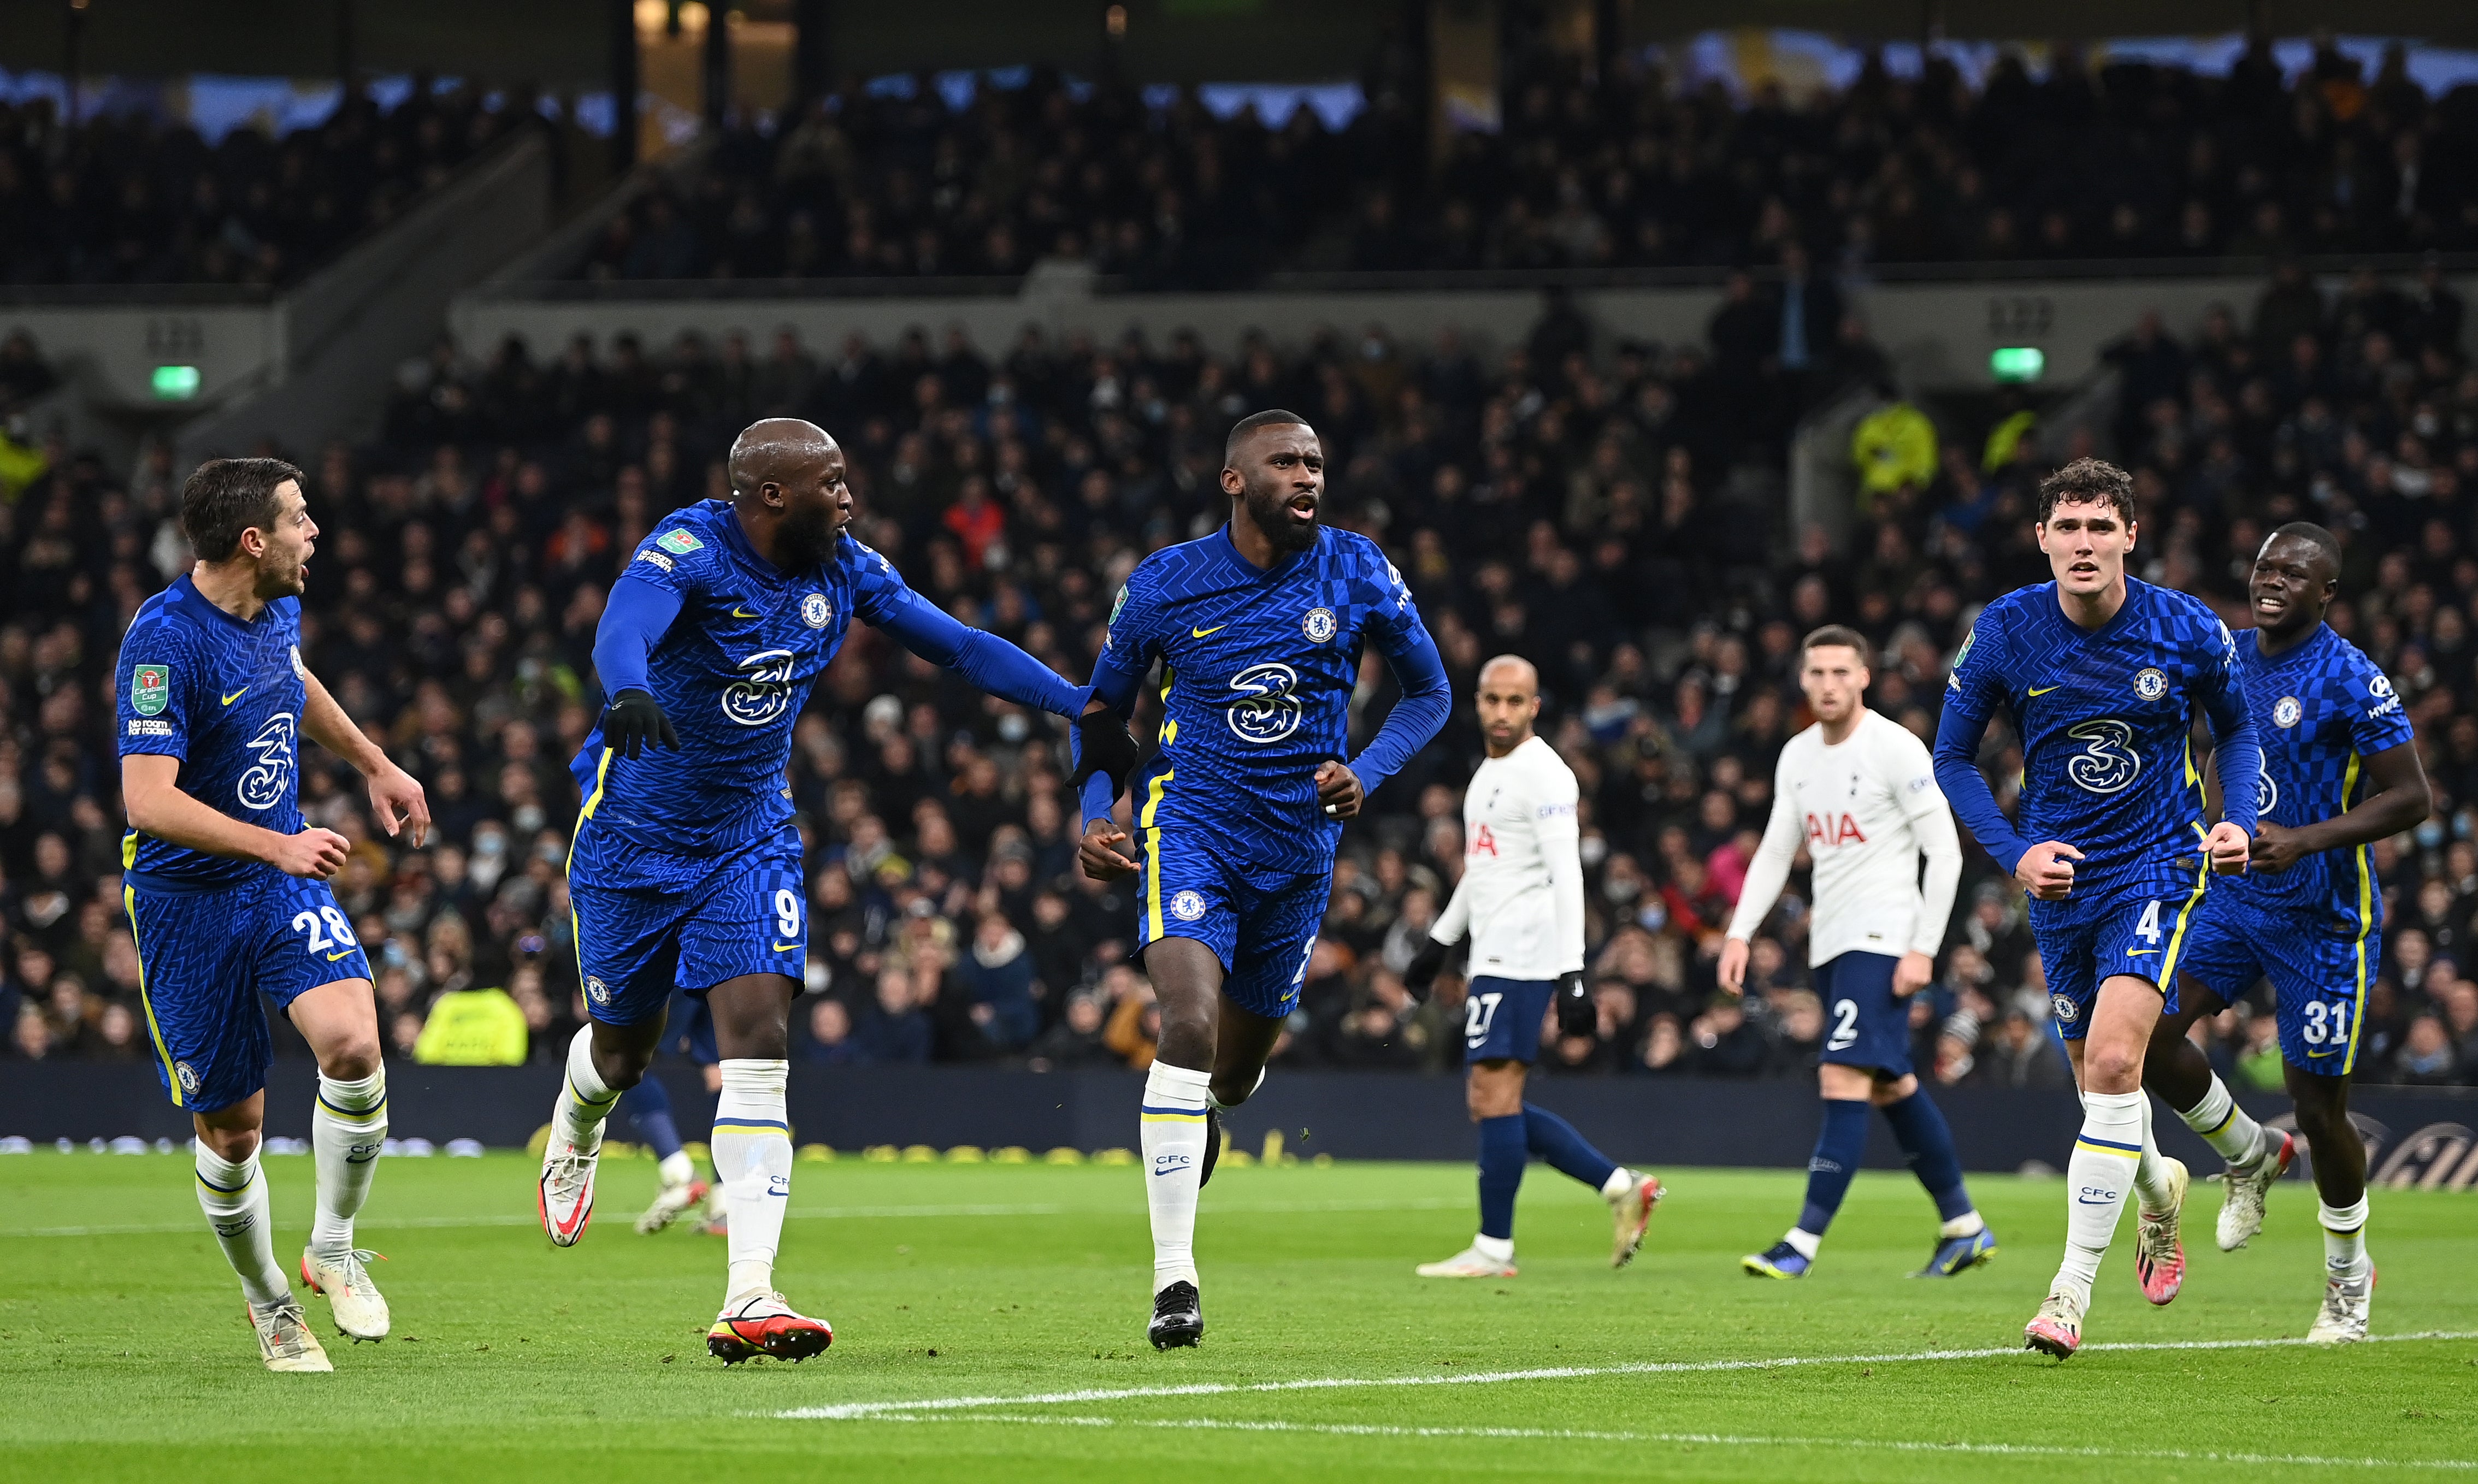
column 353, row 1059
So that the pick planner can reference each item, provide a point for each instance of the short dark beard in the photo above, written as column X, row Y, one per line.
column 811, row 541
column 1271, row 510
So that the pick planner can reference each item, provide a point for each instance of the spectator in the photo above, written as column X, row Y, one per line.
column 998, row 975
column 472, row 1027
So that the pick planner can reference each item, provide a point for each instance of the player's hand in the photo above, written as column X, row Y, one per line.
column 2276, row 847
column 1102, row 746
column 1912, row 975
column 1577, row 1015
column 634, row 722
column 1422, row 972
column 1338, row 791
column 1098, row 852
column 314, row 852
column 2226, row 847
column 2046, row 871
column 397, row 800
column 1731, row 970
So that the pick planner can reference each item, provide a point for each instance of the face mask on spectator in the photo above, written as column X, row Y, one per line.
column 1013, row 729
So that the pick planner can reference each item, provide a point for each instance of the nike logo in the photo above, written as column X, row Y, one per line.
column 349, row 952
column 2136, row 953
column 742, row 613
column 1201, row 633
column 787, row 948
column 2057, row 687
column 235, row 696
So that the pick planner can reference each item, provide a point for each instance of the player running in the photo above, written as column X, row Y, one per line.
column 2337, row 759
column 1860, row 793
column 686, row 871
column 1258, row 626
column 2102, row 675
column 1521, row 897
column 226, row 889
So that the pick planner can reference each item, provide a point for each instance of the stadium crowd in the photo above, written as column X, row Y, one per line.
column 1635, row 170
column 1567, row 505
column 130, row 198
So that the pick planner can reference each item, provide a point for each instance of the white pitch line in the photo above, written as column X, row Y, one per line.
column 851, row 1411
column 819, row 1213
column 1706, row 1439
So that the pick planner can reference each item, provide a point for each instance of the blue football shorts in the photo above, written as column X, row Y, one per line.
column 1865, row 1025
column 204, row 958
column 1261, row 923
column 648, row 921
column 2319, row 975
column 1502, row 1018
column 2142, row 936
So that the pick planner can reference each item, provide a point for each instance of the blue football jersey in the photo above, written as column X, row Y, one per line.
column 2321, row 710
column 2104, row 717
column 226, row 698
column 1259, row 669
column 732, row 674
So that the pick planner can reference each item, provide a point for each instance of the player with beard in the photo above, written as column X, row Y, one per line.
column 1258, row 629
column 2339, row 772
column 686, row 870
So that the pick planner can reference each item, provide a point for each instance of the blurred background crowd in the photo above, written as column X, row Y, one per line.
column 1627, row 171
column 1535, row 504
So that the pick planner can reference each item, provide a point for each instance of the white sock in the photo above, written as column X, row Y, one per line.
column 2151, row 1173
column 1967, row 1224
column 2225, row 1126
column 234, row 1197
column 1497, row 1249
column 346, row 1128
column 1619, row 1181
column 585, row 1099
column 676, row 1169
column 752, row 1154
column 1805, row 1244
column 2096, row 1179
column 2344, row 1239
column 1171, row 1130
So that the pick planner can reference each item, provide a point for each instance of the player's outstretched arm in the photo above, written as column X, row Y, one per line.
column 150, row 792
column 396, row 799
column 990, row 663
column 1971, row 696
column 1766, row 874
column 2236, row 756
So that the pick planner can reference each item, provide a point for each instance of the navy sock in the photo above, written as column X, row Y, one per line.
column 1927, row 1146
column 1840, row 1145
column 1501, row 1173
column 650, row 1112
column 1563, row 1150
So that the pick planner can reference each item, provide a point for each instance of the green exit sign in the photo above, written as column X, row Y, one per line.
column 176, row 383
column 2017, row 362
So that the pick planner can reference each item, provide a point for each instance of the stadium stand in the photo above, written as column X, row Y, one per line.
column 1628, row 172
column 129, row 199
column 1579, row 516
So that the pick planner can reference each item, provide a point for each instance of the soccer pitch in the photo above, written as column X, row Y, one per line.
column 990, row 1326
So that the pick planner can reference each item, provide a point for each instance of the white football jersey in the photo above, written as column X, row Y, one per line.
column 1521, row 891
column 1866, row 811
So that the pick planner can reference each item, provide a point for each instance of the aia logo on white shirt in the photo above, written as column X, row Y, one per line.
column 1834, row 830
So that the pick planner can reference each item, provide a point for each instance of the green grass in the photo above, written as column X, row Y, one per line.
column 123, row 1353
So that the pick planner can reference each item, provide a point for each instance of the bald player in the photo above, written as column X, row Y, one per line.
column 1521, row 901
column 686, row 870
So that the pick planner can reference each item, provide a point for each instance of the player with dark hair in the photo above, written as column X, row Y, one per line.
column 226, row 888
column 686, row 870
column 1858, row 792
column 2340, row 763
column 2102, row 675
column 1258, row 627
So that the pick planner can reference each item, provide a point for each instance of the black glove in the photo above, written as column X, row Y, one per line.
column 1102, row 746
column 1422, row 972
column 634, row 721
column 1577, row 1015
